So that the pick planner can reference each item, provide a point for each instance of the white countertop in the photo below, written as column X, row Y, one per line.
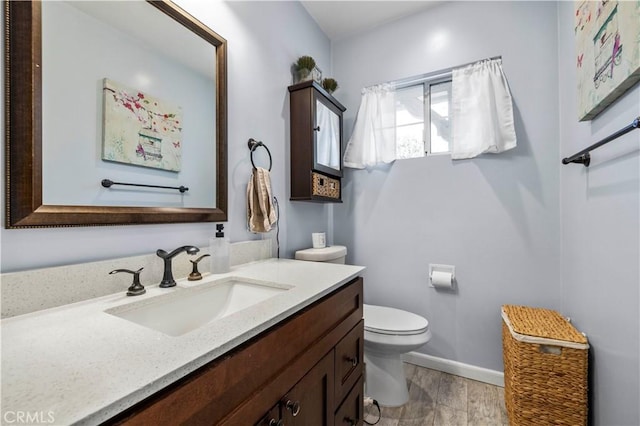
column 76, row 364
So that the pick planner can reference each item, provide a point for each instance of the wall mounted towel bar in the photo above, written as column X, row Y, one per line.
column 583, row 157
column 253, row 145
column 107, row 184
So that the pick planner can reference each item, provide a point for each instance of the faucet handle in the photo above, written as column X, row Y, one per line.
column 135, row 289
column 195, row 275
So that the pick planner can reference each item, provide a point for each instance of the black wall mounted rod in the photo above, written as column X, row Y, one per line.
column 107, row 184
column 583, row 157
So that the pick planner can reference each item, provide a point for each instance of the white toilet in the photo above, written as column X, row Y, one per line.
column 388, row 333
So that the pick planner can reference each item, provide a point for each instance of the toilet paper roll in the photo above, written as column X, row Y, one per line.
column 319, row 239
column 442, row 279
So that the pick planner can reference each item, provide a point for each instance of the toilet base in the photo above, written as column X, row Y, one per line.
column 385, row 380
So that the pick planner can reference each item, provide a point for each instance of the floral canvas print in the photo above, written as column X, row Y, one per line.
column 608, row 52
column 140, row 129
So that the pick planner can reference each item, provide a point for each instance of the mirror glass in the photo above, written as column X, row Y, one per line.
column 327, row 137
column 152, row 121
column 132, row 92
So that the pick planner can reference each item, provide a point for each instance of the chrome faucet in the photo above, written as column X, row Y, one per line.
column 167, row 279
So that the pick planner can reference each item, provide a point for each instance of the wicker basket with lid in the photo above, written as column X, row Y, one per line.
column 545, row 368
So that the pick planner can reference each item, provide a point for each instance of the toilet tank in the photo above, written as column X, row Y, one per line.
column 332, row 254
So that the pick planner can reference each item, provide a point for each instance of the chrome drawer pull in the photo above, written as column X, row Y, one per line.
column 353, row 361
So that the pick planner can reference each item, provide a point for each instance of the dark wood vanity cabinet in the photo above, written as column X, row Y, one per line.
column 331, row 393
column 350, row 412
column 310, row 402
column 316, row 143
column 306, row 370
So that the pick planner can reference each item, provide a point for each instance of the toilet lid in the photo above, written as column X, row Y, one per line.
column 385, row 320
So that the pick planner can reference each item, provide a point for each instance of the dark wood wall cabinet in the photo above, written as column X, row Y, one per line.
column 306, row 370
column 316, row 143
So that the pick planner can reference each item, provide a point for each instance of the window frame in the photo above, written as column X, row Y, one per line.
column 426, row 83
column 427, row 112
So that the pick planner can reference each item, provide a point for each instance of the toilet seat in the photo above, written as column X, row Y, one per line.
column 391, row 321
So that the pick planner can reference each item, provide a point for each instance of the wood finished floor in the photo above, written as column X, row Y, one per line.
column 441, row 399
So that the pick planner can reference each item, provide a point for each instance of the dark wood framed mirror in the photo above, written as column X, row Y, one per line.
column 24, row 133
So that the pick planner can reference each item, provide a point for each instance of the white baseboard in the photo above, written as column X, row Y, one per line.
column 454, row 367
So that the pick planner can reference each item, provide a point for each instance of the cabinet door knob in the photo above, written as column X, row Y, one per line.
column 293, row 406
column 316, row 129
column 353, row 361
column 274, row 422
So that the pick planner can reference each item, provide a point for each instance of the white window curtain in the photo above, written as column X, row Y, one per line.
column 373, row 140
column 482, row 113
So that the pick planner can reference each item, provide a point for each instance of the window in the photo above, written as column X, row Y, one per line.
column 416, row 104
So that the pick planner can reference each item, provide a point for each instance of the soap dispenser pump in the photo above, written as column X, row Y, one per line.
column 219, row 247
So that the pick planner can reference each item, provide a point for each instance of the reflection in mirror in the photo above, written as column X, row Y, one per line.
column 327, row 137
column 122, row 91
column 149, row 123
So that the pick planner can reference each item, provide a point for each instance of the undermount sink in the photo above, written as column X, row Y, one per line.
column 186, row 309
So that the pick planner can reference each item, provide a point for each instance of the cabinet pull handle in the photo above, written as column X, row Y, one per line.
column 350, row 421
column 353, row 361
column 316, row 129
column 274, row 422
column 293, row 406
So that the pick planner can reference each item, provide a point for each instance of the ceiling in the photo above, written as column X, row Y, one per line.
column 339, row 19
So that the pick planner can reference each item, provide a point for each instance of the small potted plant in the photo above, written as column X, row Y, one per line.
column 330, row 84
column 304, row 66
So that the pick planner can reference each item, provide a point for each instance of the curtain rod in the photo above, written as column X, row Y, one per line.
column 409, row 81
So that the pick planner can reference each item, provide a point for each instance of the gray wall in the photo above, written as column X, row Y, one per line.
column 264, row 39
column 601, row 239
column 496, row 218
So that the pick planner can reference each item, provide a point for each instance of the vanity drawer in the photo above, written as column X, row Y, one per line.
column 349, row 360
column 351, row 411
